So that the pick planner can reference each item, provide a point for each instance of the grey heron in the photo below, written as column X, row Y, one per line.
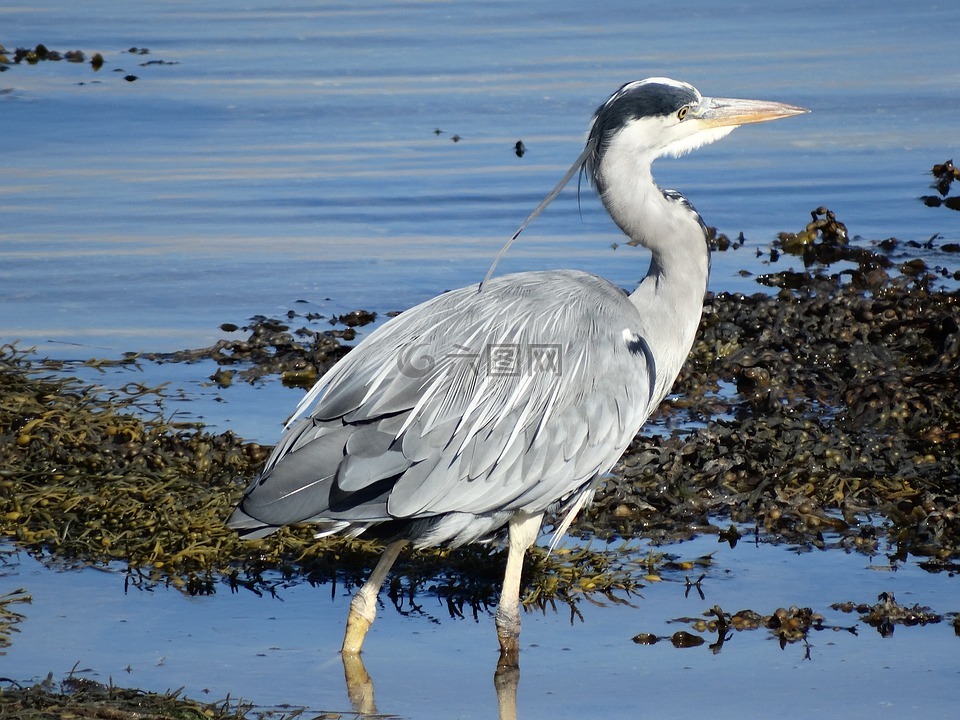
column 500, row 403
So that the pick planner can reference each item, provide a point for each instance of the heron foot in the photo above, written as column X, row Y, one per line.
column 357, row 627
column 508, row 632
column 363, row 607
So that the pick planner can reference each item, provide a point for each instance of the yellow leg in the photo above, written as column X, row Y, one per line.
column 363, row 607
column 524, row 529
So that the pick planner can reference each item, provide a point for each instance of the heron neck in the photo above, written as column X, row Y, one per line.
column 670, row 297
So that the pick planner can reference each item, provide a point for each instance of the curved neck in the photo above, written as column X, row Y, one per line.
column 670, row 298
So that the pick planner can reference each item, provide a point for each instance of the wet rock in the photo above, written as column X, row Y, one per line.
column 358, row 318
column 944, row 174
column 683, row 639
column 886, row 613
column 41, row 53
column 299, row 357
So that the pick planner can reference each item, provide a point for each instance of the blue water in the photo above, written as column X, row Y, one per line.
column 286, row 650
column 287, row 152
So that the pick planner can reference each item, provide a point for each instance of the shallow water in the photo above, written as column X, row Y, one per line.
column 285, row 650
column 288, row 153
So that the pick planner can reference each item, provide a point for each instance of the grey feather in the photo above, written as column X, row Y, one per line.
column 464, row 433
column 356, row 472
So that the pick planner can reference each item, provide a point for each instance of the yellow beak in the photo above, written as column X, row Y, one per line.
column 724, row 112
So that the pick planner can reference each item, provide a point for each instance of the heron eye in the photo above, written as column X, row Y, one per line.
column 682, row 112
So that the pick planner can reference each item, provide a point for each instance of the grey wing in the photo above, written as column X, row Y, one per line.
column 473, row 403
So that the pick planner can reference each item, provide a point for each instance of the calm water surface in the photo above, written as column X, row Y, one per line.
column 289, row 154
column 286, row 151
column 286, row 650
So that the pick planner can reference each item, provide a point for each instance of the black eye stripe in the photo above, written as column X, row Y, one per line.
column 640, row 100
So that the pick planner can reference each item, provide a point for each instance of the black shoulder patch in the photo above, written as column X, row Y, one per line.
column 639, row 346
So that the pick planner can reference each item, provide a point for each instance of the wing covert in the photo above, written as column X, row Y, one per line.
column 474, row 402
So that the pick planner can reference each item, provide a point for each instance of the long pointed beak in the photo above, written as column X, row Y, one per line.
column 724, row 112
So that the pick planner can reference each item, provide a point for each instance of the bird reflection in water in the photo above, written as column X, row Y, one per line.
column 506, row 678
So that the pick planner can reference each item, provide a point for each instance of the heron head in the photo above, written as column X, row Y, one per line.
column 648, row 118
column 659, row 116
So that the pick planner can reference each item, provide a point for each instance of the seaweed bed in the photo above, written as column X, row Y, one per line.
column 845, row 415
column 831, row 406
column 78, row 698
column 823, row 413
